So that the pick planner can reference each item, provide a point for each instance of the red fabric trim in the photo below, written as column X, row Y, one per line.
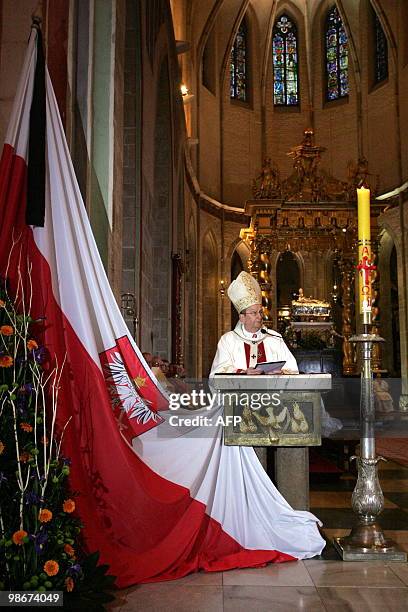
column 261, row 352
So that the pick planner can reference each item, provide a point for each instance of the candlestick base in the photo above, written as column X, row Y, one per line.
column 367, row 542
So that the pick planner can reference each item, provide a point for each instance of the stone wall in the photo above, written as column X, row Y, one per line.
column 372, row 121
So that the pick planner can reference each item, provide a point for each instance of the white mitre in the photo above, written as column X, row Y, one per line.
column 244, row 291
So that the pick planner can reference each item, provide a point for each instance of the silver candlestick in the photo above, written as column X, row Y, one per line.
column 367, row 540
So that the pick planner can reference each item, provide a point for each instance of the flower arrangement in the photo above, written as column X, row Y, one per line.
column 40, row 546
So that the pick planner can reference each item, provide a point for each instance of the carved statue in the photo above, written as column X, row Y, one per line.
column 267, row 183
column 384, row 404
column 358, row 173
column 308, row 181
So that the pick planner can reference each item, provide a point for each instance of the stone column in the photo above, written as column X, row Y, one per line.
column 292, row 475
column 261, row 453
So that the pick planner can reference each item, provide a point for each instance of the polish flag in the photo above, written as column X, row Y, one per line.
column 157, row 502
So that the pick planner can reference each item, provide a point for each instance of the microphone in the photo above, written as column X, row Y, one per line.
column 265, row 331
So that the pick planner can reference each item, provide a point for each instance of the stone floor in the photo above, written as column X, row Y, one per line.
column 318, row 584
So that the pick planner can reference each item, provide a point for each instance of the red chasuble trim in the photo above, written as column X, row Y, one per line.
column 261, row 353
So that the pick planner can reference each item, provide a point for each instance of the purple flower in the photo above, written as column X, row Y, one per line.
column 66, row 461
column 74, row 570
column 26, row 389
column 32, row 498
column 39, row 354
column 40, row 539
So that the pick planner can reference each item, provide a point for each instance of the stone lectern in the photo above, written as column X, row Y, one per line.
column 276, row 410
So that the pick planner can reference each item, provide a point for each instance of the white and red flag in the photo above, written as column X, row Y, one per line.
column 156, row 502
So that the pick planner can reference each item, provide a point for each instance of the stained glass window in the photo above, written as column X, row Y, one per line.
column 337, row 56
column 381, row 51
column 285, row 63
column 239, row 65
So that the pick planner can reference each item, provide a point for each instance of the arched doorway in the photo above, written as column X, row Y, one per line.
column 287, row 278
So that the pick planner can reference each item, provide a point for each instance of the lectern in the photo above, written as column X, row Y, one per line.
column 277, row 410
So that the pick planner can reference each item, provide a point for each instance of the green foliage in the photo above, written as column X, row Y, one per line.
column 39, row 530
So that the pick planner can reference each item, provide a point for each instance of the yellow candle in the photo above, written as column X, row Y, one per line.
column 364, row 249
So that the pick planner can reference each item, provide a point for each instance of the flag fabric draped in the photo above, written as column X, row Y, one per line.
column 156, row 502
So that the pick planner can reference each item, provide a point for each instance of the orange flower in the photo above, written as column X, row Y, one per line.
column 44, row 440
column 2, row 447
column 69, row 584
column 69, row 506
column 69, row 550
column 24, row 457
column 6, row 361
column 44, row 516
column 6, row 330
column 2, row 304
column 51, row 568
column 26, row 427
column 18, row 537
column 31, row 344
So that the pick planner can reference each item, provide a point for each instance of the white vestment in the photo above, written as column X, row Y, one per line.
column 291, row 531
column 231, row 356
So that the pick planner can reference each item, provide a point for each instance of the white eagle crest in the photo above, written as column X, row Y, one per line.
column 123, row 392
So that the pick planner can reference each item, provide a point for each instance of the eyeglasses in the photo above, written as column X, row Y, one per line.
column 260, row 312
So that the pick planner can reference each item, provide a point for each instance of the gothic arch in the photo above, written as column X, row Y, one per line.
column 243, row 251
column 318, row 26
column 293, row 273
column 385, row 24
column 246, row 12
column 298, row 18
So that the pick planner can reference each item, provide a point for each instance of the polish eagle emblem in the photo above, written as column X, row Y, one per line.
column 123, row 391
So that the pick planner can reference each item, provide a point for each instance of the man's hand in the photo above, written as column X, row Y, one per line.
column 254, row 371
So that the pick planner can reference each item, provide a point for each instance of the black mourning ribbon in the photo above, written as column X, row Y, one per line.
column 35, row 210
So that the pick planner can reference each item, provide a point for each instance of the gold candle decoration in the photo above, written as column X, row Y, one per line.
column 364, row 252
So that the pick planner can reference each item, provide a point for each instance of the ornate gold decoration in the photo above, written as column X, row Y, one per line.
column 267, row 183
column 309, row 309
column 309, row 211
column 347, row 277
column 139, row 381
column 308, row 182
column 289, row 419
column 375, row 312
column 265, row 281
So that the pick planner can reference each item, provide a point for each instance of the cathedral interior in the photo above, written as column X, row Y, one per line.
column 214, row 136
